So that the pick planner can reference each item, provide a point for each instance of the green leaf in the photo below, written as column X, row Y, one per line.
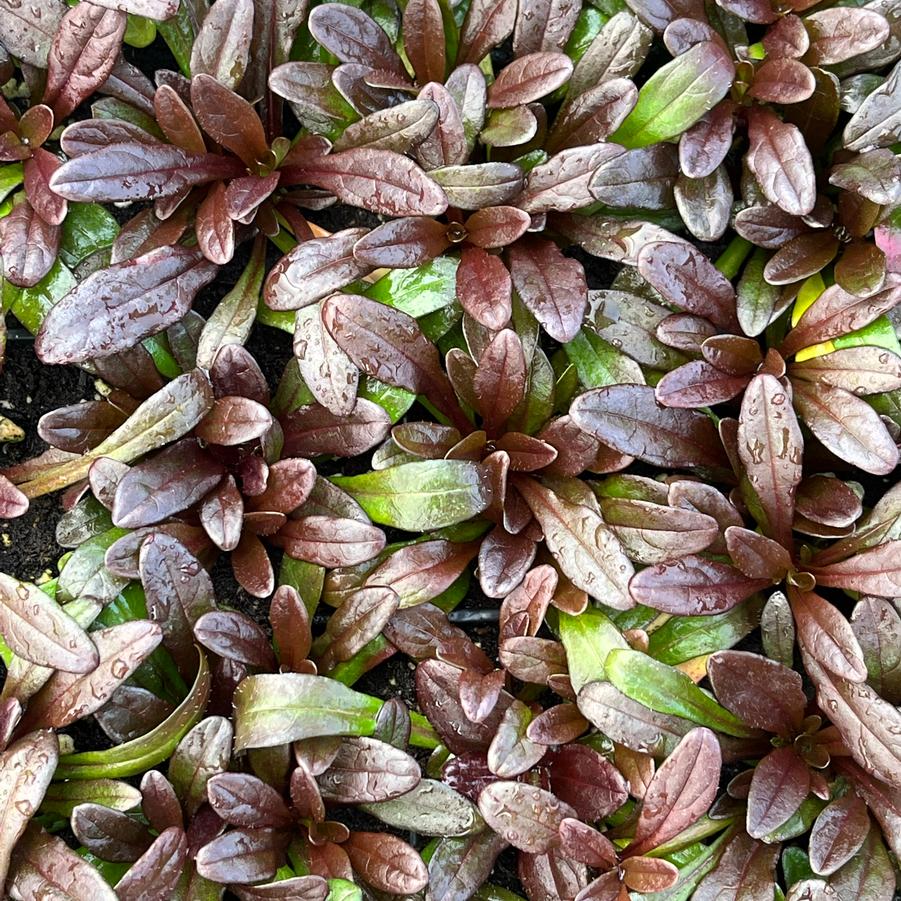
column 86, row 576
column 139, row 32
column 588, row 638
column 274, row 709
column 420, row 496
column 232, row 320
column 342, row 890
column 111, row 872
column 178, row 33
column 599, row 363
column 305, row 578
column 143, row 753
column 799, row 822
column 394, row 401
column 30, row 305
column 667, row 690
column 684, row 637
column 588, row 26
column 418, row 291
column 111, row 108
column 88, row 227
column 495, row 893
column 691, row 874
column 62, row 797
column 11, row 176
column 796, row 866
column 677, row 95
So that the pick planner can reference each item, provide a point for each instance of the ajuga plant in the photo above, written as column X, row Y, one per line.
column 563, row 560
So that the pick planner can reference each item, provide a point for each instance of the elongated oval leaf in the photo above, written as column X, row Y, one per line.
column 680, row 792
column 123, row 304
column 629, row 419
column 770, row 446
column 37, row 629
column 668, row 690
column 117, row 173
column 26, row 769
column 380, row 181
column 69, row 696
column 421, row 496
column 276, row 709
column 526, row 816
column 586, row 550
column 677, row 95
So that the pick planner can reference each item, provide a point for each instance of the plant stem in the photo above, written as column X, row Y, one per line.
column 731, row 259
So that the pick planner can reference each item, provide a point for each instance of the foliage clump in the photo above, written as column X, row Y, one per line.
column 588, row 436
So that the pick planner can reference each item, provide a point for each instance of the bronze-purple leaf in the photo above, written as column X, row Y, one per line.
column 848, row 426
column 838, row 833
column 528, row 78
column 693, row 586
column 876, row 570
column 757, row 556
column 403, row 243
column 389, row 345
column 747, row 866
column 487, row 24
column 421, row 571
column 781, row 162
column 242, row 855
column 629, row 419
column 386, row 862
column 37, row 629
column 167, row 483
column 222, row 44
column 123, row 304
column 29, row 245
column 835, row 313
column 83, row 54
column 26, row 768
column 314, row 269
column 780, row 783
column 358, row 620
column 680, row 792
column 235, row 636
column 525, row 815
column 586, row 550
column 354, row 37
column 436, row 692
column 244, row 800
column 330, row 541
column 313, row 430
column 424, row 40
column 770, row 446
column 688, row 280
column 763, row 693
column 484, row 287
column 110, row 834
column 44, row 863
column 368, row 770
column 156, row 874
column 552, row 286
column 69, row 696
column 827, row 636
column 116, row 173
column 380, row 181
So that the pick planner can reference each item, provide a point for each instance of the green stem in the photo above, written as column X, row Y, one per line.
column 732, row 258
column 422, row 735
